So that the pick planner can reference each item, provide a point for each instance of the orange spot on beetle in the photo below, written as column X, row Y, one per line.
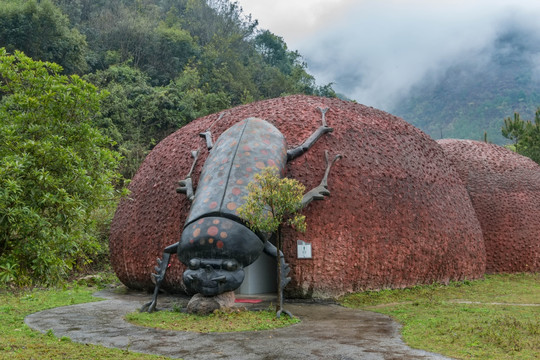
column 212, row 230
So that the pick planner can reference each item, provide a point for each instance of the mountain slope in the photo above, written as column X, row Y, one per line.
column 476, row 94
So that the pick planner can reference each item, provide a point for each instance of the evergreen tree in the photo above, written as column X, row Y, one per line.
column 524, row 134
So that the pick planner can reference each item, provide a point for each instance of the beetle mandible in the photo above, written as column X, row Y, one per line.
column 216, row 243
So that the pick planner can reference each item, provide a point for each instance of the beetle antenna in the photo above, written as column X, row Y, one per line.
column 195, row 156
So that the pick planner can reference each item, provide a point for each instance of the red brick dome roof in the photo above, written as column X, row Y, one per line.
column 505, row 191
column 398, row 214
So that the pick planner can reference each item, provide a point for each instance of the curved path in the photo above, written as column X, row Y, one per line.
column 326, row 332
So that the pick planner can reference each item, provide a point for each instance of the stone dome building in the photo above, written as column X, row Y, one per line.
column 398, row 214
column 505, row 192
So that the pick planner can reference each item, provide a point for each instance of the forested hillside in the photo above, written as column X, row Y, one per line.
column 164, row 62
column 476, row 94
column 132, row 70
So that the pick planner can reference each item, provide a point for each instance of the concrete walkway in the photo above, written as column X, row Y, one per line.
column 327, row 331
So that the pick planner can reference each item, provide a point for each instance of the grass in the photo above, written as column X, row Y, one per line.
column 460, row 321
column 18, row 341
column 219, row 321
column 434, row 318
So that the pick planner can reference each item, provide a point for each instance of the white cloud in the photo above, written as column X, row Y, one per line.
column 374, row 50
column 296, row 19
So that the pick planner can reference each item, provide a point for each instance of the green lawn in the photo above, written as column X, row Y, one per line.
column 18, row 341
column 217, row 322
column 435, row 318
column 483, row 319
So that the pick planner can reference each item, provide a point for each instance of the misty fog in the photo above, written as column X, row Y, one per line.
column 381, row 49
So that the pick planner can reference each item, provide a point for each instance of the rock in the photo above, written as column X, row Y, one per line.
column 204, row 305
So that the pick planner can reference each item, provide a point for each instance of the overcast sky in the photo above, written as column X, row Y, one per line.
column 375, row 50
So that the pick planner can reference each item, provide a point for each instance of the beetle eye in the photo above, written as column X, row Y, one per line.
column 230, row 265
column 194, row 264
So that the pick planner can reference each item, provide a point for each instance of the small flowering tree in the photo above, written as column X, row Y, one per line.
column 271, row 202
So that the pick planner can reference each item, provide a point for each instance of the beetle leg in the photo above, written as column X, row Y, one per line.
column 186, row 185
column 271, row 250
column 319, row 192
column 323, row 129
column 161, row 269
column 207, row 135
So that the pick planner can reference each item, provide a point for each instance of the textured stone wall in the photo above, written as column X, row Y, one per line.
column 398, row 214
column 505, row 191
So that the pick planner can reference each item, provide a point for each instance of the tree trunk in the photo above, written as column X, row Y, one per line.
column 279, row 305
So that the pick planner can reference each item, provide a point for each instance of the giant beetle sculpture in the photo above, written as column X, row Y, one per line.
column 216, row 244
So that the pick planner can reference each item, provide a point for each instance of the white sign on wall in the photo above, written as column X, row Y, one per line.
column 304, row 249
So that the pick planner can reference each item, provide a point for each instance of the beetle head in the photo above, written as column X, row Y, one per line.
column 213, row 277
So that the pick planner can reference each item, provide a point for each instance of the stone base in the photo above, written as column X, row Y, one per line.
column 204, row 305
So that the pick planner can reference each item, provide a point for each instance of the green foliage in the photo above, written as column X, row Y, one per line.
column 138, row 115
column 57, row 171
column 513, row 129
column 219, row 321
column 270, row 199
column 214, row 37
column 274, row 51
column 271, row 202
column 163, row 64
column 19, row 342
column 168, row 62
column 39, row 29
column 524, row 134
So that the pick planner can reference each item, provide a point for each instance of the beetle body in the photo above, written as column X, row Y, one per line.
column 215, row 243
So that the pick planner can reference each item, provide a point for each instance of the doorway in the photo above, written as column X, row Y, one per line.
column 260, row 277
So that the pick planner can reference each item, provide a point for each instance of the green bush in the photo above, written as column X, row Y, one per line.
column 57, row 171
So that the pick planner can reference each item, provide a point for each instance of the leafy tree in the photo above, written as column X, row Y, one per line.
column 171, row 50
column 274, row 51
column 271, row 202
column 524, row 134
column 57, row 171
column 138, row 115
column 42, row 31
column 167, row 62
